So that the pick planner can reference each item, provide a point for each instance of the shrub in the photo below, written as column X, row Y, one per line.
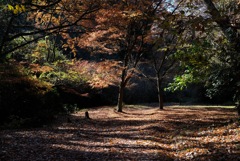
column 25, row 101
column 68, row 77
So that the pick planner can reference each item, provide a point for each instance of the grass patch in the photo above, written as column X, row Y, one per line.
column 201, row 106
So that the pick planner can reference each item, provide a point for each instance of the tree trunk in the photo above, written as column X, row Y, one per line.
column 238, row 110
column 120, row 98
column 160, row 98
column 160, row 95
column 238, row 107
column 121, row 91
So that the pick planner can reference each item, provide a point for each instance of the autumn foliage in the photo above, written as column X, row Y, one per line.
column 88, row 47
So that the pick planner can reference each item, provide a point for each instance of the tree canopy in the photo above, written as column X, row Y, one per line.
column 80, row 49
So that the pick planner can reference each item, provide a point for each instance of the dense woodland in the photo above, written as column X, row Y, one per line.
column 60, row 56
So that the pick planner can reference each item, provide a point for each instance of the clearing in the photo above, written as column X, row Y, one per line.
column 140, row 133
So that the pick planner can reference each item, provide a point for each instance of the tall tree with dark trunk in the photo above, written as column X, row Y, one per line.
column 166, row 34
column 136, row 41
column 134, row 44
column 127, row 24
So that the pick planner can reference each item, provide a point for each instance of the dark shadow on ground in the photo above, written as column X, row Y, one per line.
column 131, row 135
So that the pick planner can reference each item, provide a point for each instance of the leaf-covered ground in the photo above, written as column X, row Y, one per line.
column 137, row 134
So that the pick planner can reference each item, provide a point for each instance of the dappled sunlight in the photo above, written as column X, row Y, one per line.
column 135, row 134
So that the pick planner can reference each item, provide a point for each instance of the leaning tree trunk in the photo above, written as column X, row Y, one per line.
column 160, row 95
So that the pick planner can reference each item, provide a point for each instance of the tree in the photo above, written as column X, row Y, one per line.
column 125, row 26
column 134, row 42
column 228, row 74
column 42, row 18
column 219, row 43
column 168, row 33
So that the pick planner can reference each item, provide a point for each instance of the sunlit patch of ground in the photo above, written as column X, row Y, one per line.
column 141, row 132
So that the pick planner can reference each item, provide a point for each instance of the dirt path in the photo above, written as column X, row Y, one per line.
column 137, row 134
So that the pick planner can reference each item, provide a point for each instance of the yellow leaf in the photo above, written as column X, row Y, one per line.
column 10, row 7
column 23, row 8
column 17, row 7
column 15, row 11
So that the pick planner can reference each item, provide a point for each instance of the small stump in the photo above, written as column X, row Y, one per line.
column 87, row 115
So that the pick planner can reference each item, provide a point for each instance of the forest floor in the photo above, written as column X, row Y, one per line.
column 140, row 133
